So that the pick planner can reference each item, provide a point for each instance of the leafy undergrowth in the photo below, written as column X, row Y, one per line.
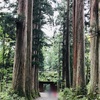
column 10, row 95
column 6, row 96
column 69, row 94
column 6, row 92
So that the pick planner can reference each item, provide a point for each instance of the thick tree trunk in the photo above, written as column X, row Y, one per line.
column 99, row 44
column 20, row 53
column 74, row 45
column 94, row 46
column 78, row 29
column 99, row 62
column 80, row 81
column 28, row 67
column 22, row 72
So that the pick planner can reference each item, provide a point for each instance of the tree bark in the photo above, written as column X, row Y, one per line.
column 28, row 67
column 99, row 44
column 68, row 74
column 22, row 71
column 74, row 45
column 80, row 81
column 20, row 52
column 94, row 46
column 78, row 34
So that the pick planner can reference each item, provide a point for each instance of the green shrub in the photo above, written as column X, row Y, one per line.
column 70, row 94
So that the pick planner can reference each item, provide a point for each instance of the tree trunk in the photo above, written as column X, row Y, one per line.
column 35, row 58
column 64, row 54
column 22, row 72
column 28, row 67
column 20, row 53
column 99, row 44
column 66, row 50
column 68, row 74
column 74, row 44
column 99, row 63
column 94, row 46
column 80, row 81
column 78, row 34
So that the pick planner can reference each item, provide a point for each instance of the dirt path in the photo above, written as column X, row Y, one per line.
column 46, row 96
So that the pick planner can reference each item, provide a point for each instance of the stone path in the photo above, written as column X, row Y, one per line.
column 46, row 96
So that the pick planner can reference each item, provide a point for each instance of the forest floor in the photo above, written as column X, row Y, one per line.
column 47, row 96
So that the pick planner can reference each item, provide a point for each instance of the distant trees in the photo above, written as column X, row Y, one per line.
column 66, row 72
column 41, row 8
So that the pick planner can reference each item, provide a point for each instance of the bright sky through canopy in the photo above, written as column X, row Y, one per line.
column 48, row 30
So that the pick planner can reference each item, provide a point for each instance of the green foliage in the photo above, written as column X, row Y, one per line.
column 42, row 14
column 48, row 76
column 70, row 94
column 7, row 36
column 52, row 53
column 7, row 96
column 6, row 92
column 87, row 58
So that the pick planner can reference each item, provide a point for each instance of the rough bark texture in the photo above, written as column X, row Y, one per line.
column 99, row 61
column 28, row 67
column 94, row 46
column 22, row 71
column 20, row 53
column 80, row 81
column 74, row 44
column 99, row 43
column 78, row 34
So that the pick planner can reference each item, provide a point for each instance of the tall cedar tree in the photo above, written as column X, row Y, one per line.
column 95, row 45
column 99, row 42
column 28, row 66
column 22, row 75
column 78, row 39
column 21, row 47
